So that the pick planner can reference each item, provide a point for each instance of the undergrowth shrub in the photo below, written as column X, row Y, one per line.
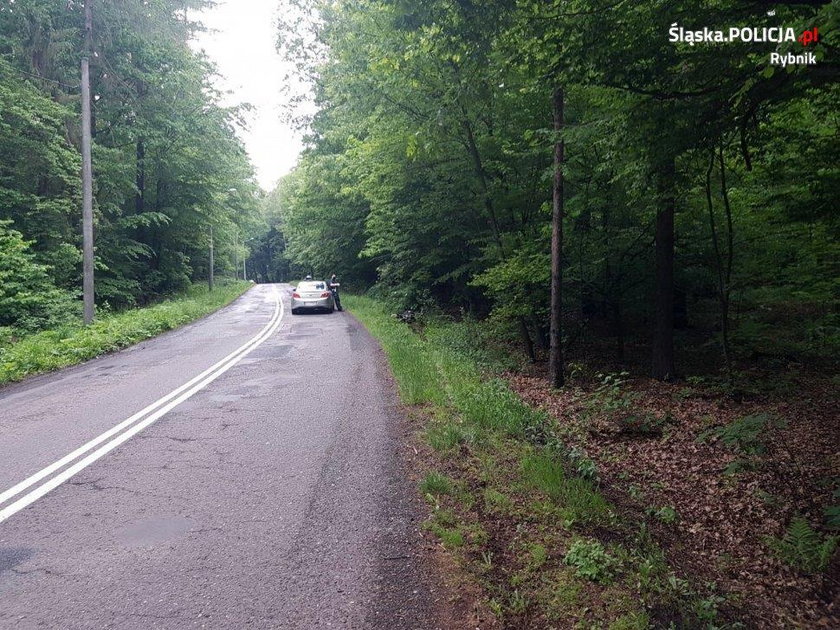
column 591, row 560
column 610, row 396
column 612, row 402
column 474, row 341
column 832, row 516
column 803, row 547
column 667, row 514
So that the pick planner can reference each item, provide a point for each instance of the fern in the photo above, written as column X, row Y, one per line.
column 804, row 548
column 744, row 435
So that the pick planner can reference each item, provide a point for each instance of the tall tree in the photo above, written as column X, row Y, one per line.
column 556, row 357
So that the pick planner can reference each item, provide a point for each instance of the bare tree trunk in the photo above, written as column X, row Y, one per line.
column 556, row 333
column 724, row 268
column 730, row 254
column 663, row 335
column 140, row 179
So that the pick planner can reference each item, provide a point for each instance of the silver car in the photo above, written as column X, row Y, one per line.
column 312, row 295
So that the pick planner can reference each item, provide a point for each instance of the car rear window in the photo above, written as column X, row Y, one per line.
column 311, row 286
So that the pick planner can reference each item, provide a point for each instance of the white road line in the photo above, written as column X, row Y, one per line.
column 157, row 409
column 17, row 489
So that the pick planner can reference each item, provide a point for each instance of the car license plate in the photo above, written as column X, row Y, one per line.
column 309, row 303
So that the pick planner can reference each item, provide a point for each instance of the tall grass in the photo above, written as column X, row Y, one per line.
column 74, row 343
column 430, row 369
column 577, row 497
column 412, row 363
column 478, row 408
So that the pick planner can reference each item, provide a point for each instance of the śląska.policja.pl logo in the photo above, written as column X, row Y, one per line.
column 772, row 34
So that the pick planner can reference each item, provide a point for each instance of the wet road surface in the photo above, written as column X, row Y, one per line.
column 273, row 496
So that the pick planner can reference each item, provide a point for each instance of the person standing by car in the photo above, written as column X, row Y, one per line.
column 333, row 285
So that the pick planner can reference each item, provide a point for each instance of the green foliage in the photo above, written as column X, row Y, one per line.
column 430, row 165
column 612, row 401
column 39, row 188
column 576, row 497
column 832, row 517
column 428, row 370
column 29, row 300
column 536, row 489
column 495, row 501
column 744, row 435
column 447, row 435
column 804, row 548
column 583, row 465
column 474, row 340
column 611, row 395
column 444, row 524
column 631, row 621
column 591, row 560
column 667, row 514
column 518, row 602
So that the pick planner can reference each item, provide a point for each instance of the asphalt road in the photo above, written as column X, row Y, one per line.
column 272, row 497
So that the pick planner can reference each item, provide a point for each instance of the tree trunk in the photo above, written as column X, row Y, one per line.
column 140, row 179
column 726, row 301
column 663, row 334
column 556, row 332
column 526, row 340
column 724, row 268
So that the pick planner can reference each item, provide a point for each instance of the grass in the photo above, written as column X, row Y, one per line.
column 75, row 343
column 435, row 483
column 579, row 501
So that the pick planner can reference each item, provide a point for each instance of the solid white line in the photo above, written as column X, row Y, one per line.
column 180, row 395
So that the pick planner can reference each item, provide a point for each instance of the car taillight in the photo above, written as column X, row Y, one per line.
column 325, row 294
column 296, row 294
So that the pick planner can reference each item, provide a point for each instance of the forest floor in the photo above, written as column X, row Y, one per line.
column 718, row 481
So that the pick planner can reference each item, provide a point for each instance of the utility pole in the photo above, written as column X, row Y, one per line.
column 87, row 172
column 212, row 262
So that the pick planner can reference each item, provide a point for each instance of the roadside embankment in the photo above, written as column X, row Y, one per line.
column 75, row 343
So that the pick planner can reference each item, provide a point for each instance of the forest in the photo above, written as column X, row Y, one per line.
column 699, row 182
column 168, row 165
